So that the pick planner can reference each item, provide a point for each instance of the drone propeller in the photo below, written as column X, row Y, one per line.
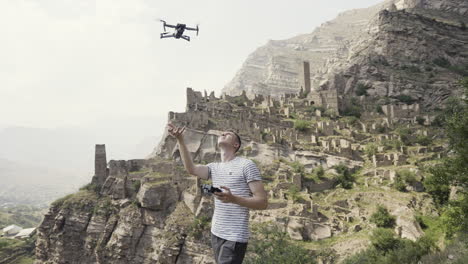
column 197, row 29
column 164, row 24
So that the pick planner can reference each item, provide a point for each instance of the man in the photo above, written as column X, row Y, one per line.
column 242, row 190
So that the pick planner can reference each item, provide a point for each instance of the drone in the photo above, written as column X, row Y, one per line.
column 178, row 31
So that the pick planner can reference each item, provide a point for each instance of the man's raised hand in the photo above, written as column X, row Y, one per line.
column 175, row 131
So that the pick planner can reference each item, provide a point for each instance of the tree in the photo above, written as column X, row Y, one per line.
column 344, row 178
column 382, row 218
column 453, row 170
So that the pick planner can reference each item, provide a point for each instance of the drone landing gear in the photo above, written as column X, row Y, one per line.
column 187, row 38
column 167, row 35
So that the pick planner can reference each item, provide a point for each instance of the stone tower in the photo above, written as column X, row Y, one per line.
column 305, row 77
column 100, row 165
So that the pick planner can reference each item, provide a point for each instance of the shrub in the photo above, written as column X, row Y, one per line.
column 459, row 69
column 405, row 135
column 405, row 99
column 399, row 184
column 344, row 178
column 392, row 143
column 382, row 218
column 319, row 171
column 271, row 245
column 330, row 113
column 136, row 185
column 297, row 167
column 301, row 125
column 294, row 193
column 312, row 108
column 378, row 109
column 361, row 89
column 441, row 62
column 92, row 187
column 370, row 150
column 199, row 225
column 407, row 176
column 352, row 110
column 383, row 239
column 420, row 120
column 423, row 140
column 389, row 250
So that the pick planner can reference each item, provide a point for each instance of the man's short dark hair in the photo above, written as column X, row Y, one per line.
column 238, row 138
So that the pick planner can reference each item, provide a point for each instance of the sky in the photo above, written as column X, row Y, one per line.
column 71, row 63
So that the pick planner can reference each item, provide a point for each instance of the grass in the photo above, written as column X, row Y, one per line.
column 77, row 200
column 329, row 242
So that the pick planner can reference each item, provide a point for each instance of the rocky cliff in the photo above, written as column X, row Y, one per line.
column 359, row 138
column 417, row 48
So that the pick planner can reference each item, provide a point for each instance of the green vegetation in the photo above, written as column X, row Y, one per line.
column 352, row 108
column 423, row 140
column 441, row 62
column 370, row 150
column 459, row 69
column 330, row 113
column 25, row 216
column 79, row 200
column 361, row 89
column 238, row 100
column 90, row 187
column 316, row 175
column 452, row 171
column 198, row 226
column 420, row 120
column 294, row 193
column 405, row 135
column 382, row 218
column 301, row 125
column 386, row 249
column 297, row 167
column 378, row 109
column 136, row 185
column 270, row 245
column 404, row 177
column 345, row 178
column 17, row 251
column 394, row 144
column 312, row 108
column 456, row 249
column 405, row 99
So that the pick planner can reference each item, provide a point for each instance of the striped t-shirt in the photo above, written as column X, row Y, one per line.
column 231, row 221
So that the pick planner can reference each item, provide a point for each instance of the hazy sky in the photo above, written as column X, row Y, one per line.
column 70, row 62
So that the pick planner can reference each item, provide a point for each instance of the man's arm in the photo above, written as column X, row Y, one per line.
column 258, row 201
column 200, row 171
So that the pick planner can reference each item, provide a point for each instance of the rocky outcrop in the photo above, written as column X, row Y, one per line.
column 274, row 68
column 140, row 222
column 325, row 168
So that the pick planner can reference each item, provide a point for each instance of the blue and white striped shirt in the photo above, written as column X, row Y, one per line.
column 231, row 221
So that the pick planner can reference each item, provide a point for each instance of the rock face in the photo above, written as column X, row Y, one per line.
column 137, row 217
column 415, row 48
column 330, row 118
column 274, row 68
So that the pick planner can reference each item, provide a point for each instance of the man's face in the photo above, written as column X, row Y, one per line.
column 228, row 138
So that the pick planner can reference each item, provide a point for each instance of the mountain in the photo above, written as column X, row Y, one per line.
column 418, row 46
column 339, row 158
